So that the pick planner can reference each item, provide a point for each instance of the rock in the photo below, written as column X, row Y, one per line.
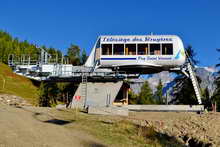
column 61, row 106
column 13, row 100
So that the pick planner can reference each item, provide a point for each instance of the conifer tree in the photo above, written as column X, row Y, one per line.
column 44, row 100
column 73, row 53
column 47, row 94
column 146, row 94
column 206, row 98
column 132, row 98
column 83, row 57
column 216, row 96
column 184, row 92
column 159, row 93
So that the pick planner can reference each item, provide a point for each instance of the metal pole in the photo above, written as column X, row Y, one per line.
column 166, row 99
column 42, row 56
column 62, row 59
column 29, row 60
column 45, row 57
column 56, row 58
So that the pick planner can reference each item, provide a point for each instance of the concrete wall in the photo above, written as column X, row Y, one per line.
column 186, row 108
column 113, row 110
column 98, row 94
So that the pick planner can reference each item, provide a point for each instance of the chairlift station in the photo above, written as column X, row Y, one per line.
column 112, row 60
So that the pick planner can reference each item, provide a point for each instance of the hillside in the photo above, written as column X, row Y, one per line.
column 50, row 127
column 11, row 83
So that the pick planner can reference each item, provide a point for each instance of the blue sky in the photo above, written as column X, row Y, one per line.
column 58, row 23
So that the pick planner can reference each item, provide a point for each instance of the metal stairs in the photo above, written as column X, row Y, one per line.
column 195, row 83
column 84, row 89
column 188, row 70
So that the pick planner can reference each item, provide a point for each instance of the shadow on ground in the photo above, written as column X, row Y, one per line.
column 58, row 121
column 46, row 118
column 94, row 144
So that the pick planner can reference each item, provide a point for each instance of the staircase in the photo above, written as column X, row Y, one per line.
column 84, row 89
column 194, row 82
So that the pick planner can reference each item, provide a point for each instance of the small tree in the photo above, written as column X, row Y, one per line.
column 74, row 54
column 44, row 100
column 52, row 92
column 83, row 57
column 132, row 98
column 184, row 92
column 191, row 54
column 47, row 94
column 146, row 95
column 216, row 95
column 206, row 98
column 159, row 93
column 216, row 99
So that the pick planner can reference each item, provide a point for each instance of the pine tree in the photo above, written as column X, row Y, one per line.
column 159, row 93
column 74, row 54
column 83, row 57
column 48, row 93
column 132, row 98
column 206, row 98
column 44, row 100
column 216, row 95
column 53, row 93
column 184, row 92
column 191, row 54
column 146, row 94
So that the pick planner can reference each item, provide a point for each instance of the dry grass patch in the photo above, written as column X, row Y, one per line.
column 11, row 83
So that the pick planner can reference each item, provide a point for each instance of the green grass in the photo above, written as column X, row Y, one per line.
column 11, row 83
column 116, row 131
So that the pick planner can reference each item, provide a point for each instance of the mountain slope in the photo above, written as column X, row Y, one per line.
column 206, row 74
column 11, row 83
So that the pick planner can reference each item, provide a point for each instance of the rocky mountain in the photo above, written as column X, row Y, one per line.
column 152, row 79
column 206, row 74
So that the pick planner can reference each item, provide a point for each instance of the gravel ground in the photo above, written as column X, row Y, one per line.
column 190, row 128
column 13, row 100
column 29, row 126
column 22, row 125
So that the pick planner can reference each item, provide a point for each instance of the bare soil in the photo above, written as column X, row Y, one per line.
column 27, row 126
column 192, row 129
column 34, row 127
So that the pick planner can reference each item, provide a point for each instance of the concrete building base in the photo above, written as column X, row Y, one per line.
column 113, row 110
column 166, row 108
column 100, row 94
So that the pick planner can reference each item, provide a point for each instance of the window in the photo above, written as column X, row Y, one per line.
column 106, row 49
column 130, row 49
column 155, row 49
column 142, row 49
column 118, row 49
column 167, row 49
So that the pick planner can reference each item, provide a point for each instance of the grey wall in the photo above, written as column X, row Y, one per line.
column 97, row 94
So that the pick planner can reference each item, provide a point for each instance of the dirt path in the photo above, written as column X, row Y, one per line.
column 34, row 127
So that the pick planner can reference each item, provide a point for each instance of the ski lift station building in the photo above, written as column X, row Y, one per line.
column 116, row 55
column 137, row 54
